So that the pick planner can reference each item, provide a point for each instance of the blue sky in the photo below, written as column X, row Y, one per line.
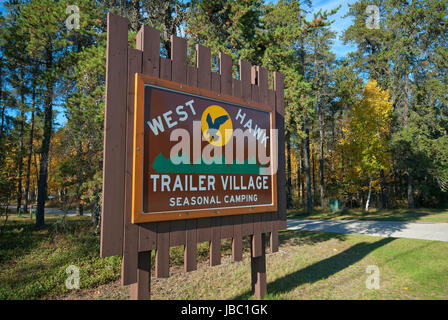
column 340, row 23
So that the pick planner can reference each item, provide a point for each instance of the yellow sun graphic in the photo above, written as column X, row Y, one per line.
column 216, row 125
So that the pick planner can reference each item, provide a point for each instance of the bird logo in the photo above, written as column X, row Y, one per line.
column 215, row 124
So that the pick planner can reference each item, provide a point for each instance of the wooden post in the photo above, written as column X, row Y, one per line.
column 131, row 231
column 215, row 243
column 258, row 270
column 280, row 123
column 141, row 289
column 114, row 136
column 163, row 250
column 190, row 249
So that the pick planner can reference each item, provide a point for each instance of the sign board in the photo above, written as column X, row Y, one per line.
column 198, row 153
column 190, row 155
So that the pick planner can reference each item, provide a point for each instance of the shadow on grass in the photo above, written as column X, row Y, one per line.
column 320, row 270
column 302, row 237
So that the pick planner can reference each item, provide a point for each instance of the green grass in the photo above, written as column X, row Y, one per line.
column 319, row 265
column 424, row 215
column 33, row 261
column 309, row 265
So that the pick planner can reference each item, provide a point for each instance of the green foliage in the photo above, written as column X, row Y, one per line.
column 231, row 26
column 45, row 66
column 408, row 57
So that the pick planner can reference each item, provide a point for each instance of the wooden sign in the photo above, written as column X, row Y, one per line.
column 156, row 196
column 200, row 154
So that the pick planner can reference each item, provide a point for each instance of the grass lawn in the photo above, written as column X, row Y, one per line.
column 33, row 262
column 318, row 265
column 309, row 265
column 424, row 215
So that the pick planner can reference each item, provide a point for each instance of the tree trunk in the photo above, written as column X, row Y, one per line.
column 299, row 179
column 21, row 144
column 306, row 156
column 302, row 183
column 79, row 178
column 306, row 140
column 288, row 184
column 1, row 99
column 321, row 133
column 406, row 101
column 384, row 191
column 2, row 125
column 358, row 198
column 20, row 169
column 30, row 153
column 313, row 170
column 369, row 194
column 410, row 181
column 298, row 186
column 48, row 120
column 321, row 162
column 79, row 208
column 35, row 180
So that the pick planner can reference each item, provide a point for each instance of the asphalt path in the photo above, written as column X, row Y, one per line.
column 395, row 229
column 56, row 211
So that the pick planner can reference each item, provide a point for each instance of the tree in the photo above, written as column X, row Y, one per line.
column 366, row 134
column 418, row 27
column 322, row 61
column 372, row 43
column 83, row 136
column 17, row 78
column 402, row 55
column 31, row 137
column 44, row 21
column 288, row 32
column 284, row 32
column 348, row 89
column 233, row 27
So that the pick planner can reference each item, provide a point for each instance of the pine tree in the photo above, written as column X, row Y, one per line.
column 233, row 27
column 44, row 21
column 322, row 61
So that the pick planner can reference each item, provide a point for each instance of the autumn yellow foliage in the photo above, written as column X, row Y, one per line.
column 365, row 135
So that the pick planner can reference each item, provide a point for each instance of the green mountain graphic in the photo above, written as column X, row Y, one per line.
column 164, row 165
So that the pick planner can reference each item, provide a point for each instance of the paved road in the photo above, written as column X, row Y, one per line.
column 414, row 230
column 56, row 211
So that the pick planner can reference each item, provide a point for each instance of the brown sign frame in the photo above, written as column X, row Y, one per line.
column 138, row 215
column 136, row 242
